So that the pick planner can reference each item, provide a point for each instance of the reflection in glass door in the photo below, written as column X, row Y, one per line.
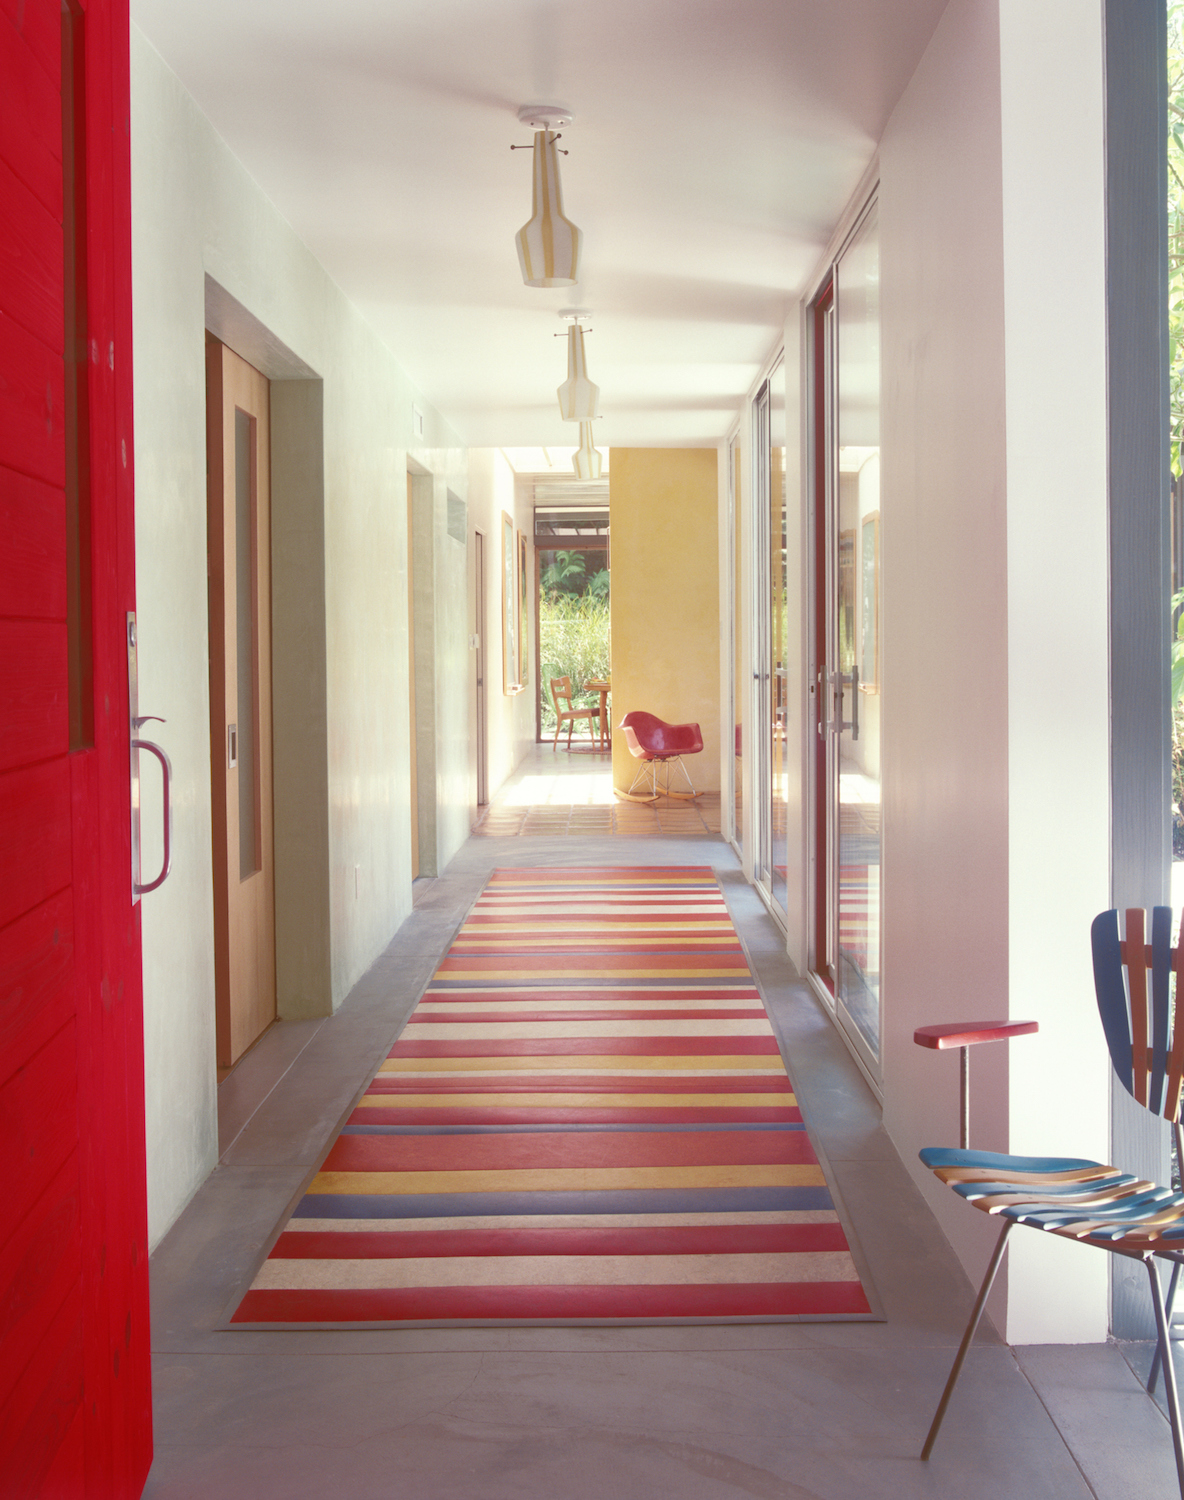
column 851, row 668
column 736, row 616
column 769, row 778
column 760, row 728
column 779, row 711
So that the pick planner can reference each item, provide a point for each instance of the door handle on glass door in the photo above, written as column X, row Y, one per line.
column 853, row 679
column 839, row 681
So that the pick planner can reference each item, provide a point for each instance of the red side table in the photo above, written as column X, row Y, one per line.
column 964, row 1035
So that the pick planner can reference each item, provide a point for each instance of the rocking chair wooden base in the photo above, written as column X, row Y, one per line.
column 648, row 770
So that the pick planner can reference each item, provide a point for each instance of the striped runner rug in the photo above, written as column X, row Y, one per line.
column 586, row 1119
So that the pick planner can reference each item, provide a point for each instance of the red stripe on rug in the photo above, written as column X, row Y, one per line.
column 597, row 1046
column 689, row 1239
column 519, row 1010
column 606, row 962
column 531, row 1303
column 565, row 1149
column 590, row 994
column 687, row 894
column 591, row 951
column 717, row 919
column 629, row 874
column 510, row 1114
column 732, row 1082
column 485, row 945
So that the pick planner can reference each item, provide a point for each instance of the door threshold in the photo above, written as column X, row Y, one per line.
column 827, row 1001
column 225, row 1072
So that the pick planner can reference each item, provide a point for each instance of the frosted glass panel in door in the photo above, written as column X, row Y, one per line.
column 857, row 600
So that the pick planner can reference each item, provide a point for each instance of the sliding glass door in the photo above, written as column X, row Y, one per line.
column 847, row 638
column 737, row 694
column 773, row 594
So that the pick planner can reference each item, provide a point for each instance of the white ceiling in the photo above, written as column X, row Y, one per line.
column 713, row 148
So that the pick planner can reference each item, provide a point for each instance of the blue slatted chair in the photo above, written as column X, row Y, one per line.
column 1086, row 1200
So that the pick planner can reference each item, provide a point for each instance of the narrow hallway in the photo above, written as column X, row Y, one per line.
column 791, row 1410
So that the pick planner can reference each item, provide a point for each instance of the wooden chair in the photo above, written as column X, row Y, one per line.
column 561, row 690
column 1086, row 1200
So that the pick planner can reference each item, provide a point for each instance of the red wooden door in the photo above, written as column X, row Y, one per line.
column 74, row 1377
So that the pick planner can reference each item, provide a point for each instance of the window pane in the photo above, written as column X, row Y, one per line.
column 244, row 572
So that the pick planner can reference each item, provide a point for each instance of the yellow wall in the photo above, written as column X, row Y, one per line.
column 665, row 597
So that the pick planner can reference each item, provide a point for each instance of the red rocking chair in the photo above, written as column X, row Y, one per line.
column 655, row 743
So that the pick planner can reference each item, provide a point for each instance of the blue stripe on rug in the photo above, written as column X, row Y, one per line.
column 615, row 1201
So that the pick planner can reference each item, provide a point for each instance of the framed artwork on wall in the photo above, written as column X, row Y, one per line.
column 510, row 683
column 523, row 614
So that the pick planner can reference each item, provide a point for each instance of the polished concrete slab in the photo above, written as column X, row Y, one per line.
column 822, row 1411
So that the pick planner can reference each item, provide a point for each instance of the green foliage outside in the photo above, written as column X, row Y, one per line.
column 1176, row 224
column 567, row 573
column 1175, row 150
column 573, row 631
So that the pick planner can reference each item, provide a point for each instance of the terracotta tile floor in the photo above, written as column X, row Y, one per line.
column 571, row 794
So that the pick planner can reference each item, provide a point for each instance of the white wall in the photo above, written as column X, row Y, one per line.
column 944, row 554
column 1057, row 623
column 510, row 718
column 995, row 704
column 196, row 212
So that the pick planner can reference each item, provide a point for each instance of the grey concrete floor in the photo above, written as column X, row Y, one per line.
column 821, row 1411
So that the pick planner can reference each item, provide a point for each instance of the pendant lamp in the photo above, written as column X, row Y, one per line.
column 586, row 461
column 549, row 243
column 579, row 399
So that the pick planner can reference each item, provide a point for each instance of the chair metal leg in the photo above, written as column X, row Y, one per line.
column 645, row 769
column 1169, row 1368
column 688, row 796
column 976, row 1314
column 1153, row 1378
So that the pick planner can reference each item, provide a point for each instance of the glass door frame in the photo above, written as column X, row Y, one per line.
column 825, row 686
column 544, row 542
column 760, row 662
column 823, row 881
column 735, row 642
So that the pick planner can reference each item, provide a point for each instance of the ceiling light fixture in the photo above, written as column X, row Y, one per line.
column 579, row 399
column 586, row 460
column 549, row 243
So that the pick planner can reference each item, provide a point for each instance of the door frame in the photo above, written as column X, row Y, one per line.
column 820, row 407
column 822, row 498
column 244, row 910
column 760, row 665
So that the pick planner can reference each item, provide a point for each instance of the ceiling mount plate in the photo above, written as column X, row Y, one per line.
column 545, row 116
column 574, row 314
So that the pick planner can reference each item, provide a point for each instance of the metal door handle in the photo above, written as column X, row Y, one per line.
column 840, row 681
column 166, row 774
column 854, row 681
